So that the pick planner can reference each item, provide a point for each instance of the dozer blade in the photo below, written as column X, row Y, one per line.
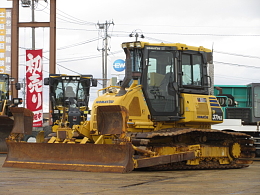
column 6, row 125
column 74, row 157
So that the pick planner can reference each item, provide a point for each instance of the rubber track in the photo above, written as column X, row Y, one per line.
column 247, row 149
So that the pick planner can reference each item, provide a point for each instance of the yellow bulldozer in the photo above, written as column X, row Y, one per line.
column 159, row 118
column 6, row 117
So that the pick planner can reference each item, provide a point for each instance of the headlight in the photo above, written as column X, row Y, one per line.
column 124, row 45
column 138, row 44
column 16, row 101
column 131, row 45
column 56, row 111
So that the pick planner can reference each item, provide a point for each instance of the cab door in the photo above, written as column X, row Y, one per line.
column 159, row 83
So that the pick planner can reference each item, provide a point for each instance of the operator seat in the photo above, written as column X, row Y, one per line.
column 164, row 85
column 69, row 92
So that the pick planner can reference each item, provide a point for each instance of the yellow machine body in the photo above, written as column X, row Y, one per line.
column 159, row 118
column 6, row 119
column 197, row 110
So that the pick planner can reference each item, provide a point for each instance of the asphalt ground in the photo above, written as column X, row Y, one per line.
column 45, row 182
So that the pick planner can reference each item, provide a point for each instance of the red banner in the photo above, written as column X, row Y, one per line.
column 34, row 85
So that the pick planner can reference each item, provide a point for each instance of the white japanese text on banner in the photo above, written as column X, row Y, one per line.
column 34, row 85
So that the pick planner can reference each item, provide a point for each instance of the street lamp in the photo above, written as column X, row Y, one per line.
column 26, row 3
column 136, row 34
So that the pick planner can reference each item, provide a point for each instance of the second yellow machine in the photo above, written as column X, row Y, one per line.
column 6, row 119
column 159, row 118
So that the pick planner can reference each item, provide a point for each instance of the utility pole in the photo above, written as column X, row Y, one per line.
column 33, row 28
column 104, row 26
column 29, row 3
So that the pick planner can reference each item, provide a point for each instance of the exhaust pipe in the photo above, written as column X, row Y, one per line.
column 128, row 73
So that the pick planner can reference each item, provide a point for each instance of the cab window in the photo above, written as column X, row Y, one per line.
column 191, row 69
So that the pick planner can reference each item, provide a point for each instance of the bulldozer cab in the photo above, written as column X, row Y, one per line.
column 70, row 94
column 166, row 70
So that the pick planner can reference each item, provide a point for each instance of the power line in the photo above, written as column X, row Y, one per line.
column 241, row 65
column 68, row 46
column 195, row 34
column 64, row 67
column 77, row 19
column 77, row 29
column 71, row 18
column 241, row 55
column 84, row 22
column 25, row 65
column 68, row 69
column 236, row 78
column 189, row 26
column 116, row 52
column 158, row 40
column 44, row 7
column 80, row 58
column 80, row 43
column 221, row 52
column 182, row 34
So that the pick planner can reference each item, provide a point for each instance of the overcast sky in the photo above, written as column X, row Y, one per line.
column 231, row 27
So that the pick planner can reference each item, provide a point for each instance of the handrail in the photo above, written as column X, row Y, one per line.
column 106, row 88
